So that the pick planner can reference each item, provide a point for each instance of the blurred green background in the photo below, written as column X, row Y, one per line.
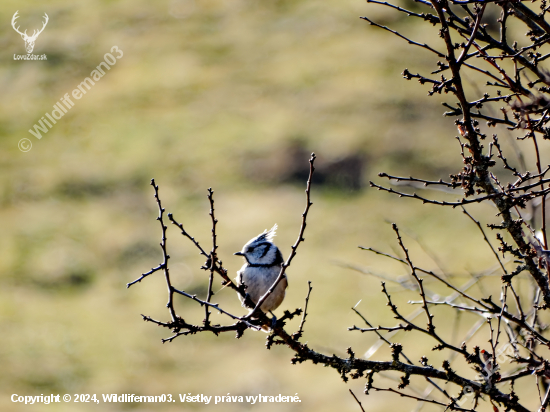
column 233, row 96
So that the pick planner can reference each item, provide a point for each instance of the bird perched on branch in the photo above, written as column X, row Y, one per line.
column 263, row 265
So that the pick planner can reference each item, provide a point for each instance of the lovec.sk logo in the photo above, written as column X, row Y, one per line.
column 29, row 40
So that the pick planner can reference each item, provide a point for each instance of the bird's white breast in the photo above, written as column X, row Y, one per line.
column 258, row 280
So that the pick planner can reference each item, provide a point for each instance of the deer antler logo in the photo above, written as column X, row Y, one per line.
column 29, row 40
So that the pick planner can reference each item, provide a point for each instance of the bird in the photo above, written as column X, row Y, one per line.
column 263, row 263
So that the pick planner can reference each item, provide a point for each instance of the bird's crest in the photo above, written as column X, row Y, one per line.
column 268, row 235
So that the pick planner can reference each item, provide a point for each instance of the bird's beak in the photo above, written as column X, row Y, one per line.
column 238, row 254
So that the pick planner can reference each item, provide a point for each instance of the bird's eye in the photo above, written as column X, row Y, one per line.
column 248, row 250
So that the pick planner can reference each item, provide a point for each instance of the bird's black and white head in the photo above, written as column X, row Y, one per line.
column 260, row 251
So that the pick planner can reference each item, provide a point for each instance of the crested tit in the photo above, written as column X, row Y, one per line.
column 262, row 266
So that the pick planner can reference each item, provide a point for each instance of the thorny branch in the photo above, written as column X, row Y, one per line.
column 467, row 43
column 527, row 108
column 476, row 179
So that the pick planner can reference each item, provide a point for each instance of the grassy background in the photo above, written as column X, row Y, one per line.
column 205, row 89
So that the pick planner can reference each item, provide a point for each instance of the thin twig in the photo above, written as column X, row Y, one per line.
column 424, row 46
column 160, row 218
column 213, row 255
column 486, row 239
column 298, row 334
column 361, row 406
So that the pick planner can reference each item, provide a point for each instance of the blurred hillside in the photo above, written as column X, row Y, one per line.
column 220, row 94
